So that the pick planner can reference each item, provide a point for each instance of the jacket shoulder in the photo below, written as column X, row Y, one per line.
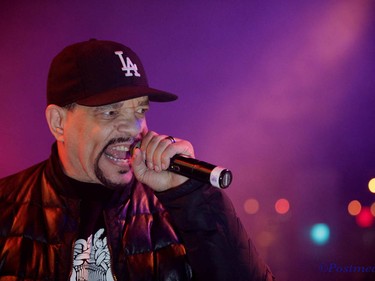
column 11, row 187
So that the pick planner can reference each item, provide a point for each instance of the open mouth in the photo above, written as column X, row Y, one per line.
column 118, row 153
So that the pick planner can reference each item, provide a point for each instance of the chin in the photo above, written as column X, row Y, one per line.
column 124, row 178
column 114, row 179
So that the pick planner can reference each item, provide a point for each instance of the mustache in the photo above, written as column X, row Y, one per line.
column 129, row 140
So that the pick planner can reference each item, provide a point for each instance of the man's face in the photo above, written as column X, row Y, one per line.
column 97, row 140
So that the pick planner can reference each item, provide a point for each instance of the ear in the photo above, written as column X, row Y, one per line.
column 55, row 116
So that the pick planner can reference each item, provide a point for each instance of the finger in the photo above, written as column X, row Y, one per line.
column 159, row 149
column 138, row 163
column 161, row 158
column 154, row 150
column 180, row 147
column 147, row 147
column 137, row 159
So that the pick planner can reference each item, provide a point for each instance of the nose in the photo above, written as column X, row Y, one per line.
column 130, row 125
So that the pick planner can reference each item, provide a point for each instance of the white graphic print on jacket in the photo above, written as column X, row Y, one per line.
column 91, row 259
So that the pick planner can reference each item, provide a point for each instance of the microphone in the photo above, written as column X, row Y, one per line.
column 195, row 169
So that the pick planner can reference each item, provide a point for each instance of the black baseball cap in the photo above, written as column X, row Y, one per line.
column 98, row 72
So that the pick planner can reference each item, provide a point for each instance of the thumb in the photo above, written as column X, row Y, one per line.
column 138, row 163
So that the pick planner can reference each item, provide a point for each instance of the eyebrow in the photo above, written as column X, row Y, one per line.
column 143, row 102
column 119, row 105
column 109, row 106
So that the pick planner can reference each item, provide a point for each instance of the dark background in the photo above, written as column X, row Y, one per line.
column 281, row 92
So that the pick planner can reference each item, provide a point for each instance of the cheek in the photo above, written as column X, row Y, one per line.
column 93, row 141
column 85, row 142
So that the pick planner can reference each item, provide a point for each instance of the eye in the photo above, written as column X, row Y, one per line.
column 109, row 114
column 141, row 111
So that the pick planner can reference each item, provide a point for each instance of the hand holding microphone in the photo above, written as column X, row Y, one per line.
column 180, row 162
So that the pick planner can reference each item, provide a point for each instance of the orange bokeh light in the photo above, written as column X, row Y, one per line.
column 354, row 207
column 251, row 206
column 372, row 208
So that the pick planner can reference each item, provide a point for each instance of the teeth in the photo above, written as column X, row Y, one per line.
column 121, row 148
column 118, row 153
column 115, row 159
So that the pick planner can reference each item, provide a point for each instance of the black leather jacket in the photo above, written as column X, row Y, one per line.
column 187, row 233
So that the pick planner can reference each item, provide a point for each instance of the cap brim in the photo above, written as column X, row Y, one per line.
column 127, row 93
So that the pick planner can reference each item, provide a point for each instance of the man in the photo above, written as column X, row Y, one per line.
column 93, row 211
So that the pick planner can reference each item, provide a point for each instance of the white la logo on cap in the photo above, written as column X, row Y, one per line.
column 128, row 66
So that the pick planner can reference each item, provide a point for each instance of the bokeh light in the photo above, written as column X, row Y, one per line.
column 365, row 217
column 320, row 233
column 371, row 185
column 282, row 206
column 251, row 206
column 372, row 209
column 354, row 207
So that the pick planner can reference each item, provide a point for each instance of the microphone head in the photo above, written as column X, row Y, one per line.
column 225, row 178
column 136, row 144
column 220, row 177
